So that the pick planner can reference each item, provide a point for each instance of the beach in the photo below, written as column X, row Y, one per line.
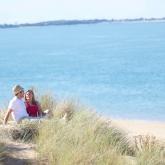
column 141, row 127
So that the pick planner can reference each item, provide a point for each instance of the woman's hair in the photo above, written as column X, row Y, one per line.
column 33, row 96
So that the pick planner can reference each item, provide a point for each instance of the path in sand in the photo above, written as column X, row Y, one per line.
column 20, row 154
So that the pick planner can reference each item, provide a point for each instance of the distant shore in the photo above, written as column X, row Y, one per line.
column 77, row 22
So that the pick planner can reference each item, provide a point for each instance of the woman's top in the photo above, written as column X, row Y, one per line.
column 32, row 109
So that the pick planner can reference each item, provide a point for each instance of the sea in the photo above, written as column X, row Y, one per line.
column 117, row 69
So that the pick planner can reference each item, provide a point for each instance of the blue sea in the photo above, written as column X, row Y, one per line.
column 118, row 69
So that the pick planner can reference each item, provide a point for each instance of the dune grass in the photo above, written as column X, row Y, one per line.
column 47, row 101
column 2, row 152
column 82, row 138
column 27, row 131
column 149, row 151
column 77, row 136
column 155, row 157
column 2, row 114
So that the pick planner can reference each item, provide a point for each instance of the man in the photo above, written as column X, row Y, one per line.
column 17, row 106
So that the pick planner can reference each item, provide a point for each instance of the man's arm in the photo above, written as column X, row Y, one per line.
column 7, row 116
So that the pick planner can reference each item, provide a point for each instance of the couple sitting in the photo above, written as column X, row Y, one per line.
column 30, row 109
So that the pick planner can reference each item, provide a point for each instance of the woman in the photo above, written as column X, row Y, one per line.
column 32, row 106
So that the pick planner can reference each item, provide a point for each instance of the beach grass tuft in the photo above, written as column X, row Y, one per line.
column 27, row 131
column 149, row 150
column 85, row 139
column 47, row 101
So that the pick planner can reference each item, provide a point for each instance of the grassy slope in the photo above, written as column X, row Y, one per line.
column 77, row 136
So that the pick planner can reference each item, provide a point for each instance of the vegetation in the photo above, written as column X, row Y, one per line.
column 2, row 152
column 82, row 140
column 149, row 151
column 77, row 136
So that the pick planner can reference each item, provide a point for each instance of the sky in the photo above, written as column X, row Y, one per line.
column 22, row 11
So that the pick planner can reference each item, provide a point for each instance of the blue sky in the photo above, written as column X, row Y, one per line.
column 21, row 11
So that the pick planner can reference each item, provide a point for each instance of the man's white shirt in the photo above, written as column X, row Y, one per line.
column 18, row 109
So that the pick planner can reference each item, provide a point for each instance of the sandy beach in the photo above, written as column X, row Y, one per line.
column 141, row 127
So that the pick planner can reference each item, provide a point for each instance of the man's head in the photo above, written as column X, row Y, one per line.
column 18, row 91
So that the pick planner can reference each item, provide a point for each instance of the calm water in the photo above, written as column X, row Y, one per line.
column 117, row 68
